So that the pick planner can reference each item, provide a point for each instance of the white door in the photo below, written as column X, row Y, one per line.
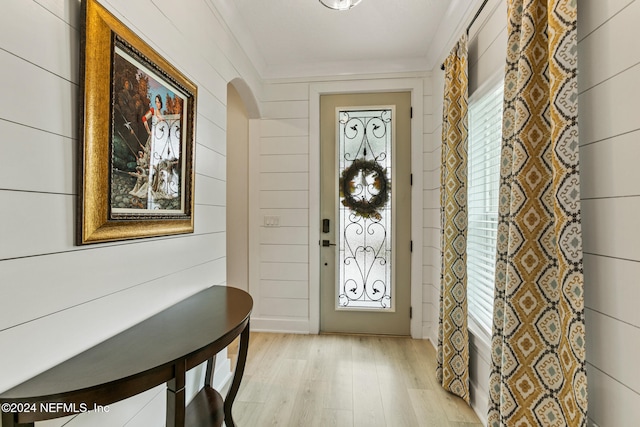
column 365, row 213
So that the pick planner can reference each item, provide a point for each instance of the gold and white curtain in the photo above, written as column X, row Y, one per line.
column 453, row 340
column 538, row 375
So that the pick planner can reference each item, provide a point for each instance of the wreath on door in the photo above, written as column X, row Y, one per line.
column 359, row 197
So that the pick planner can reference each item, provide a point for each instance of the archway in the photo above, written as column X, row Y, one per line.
column 241, row 107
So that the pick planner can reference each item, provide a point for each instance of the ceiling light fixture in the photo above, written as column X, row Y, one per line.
column 340, row 4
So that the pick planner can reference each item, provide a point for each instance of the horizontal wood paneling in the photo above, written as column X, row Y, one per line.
column 284, row 253
column 284, row 163
column 611, row 403
column 285, row 307
column 433, row 158
column 610, row 109
column 23, row 169
column 211, row 135
column 69, row 331
column 427, row 105
column 431, row 217
column 286, row 271
column 210, row 163
column 285, row 110
column 493, row 62
column 431, row 198
column 487, row 48
column 284, row 235
column 607, row 333
column 284, row 181
column 94, row 273
column 284, row 289
column 598, row 61
column 210, row 106
column 66, row 298
column 431, row 179
column 609, row 124
column 610, row 227
column 429, row 140
column 210, row 219
column 286, row 92
column 285, row 127
column 288, row 217
column 612, row 287
column 284, row 145
column 48, row 47
column 284, row 199
column 120, row 413
column 280, row 135
column 45, row 223
column 615, row 161
column 431, row 237
column 210, row 191
column 66, row 11
column 594, row 13
column 35, row 223
column 50, row 104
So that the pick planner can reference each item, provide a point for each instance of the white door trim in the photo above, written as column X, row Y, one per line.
column 415, row 86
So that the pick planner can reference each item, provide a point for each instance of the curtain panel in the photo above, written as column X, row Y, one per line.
column 538, row 374
column 452, row 369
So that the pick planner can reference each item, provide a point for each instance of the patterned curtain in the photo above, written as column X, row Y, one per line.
column 453, row 340
column 538, row 375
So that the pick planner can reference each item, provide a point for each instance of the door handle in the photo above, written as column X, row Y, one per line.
column 327, row 243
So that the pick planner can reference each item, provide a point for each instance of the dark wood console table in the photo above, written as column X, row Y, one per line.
column 160, row 349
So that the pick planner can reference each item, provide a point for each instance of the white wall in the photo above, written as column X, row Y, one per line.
column 56, row 298
column 280, row 181
column 431, row 209
column 609, row 59
column 237, row 191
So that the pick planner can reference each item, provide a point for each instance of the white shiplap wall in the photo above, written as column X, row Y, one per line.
column 282, row 182
column 609, row 64
column 56, row 298
column 431, row 207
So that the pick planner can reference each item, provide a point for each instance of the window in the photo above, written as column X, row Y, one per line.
column 485, row 136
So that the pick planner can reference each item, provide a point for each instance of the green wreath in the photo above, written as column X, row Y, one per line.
column 366, row 208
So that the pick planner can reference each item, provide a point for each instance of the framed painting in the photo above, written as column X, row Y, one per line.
column 136, row 172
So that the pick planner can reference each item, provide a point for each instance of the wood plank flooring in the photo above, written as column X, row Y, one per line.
column 344, row 380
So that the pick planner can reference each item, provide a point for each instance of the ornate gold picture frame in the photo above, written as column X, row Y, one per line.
column 137, row 119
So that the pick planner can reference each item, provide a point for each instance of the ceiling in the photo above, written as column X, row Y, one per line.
column 302, row 38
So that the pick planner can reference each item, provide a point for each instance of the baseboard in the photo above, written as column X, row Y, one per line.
column 288, row 326
column 479, row 402
column 426, row 331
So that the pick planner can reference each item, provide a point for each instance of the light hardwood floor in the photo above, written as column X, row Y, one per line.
column 344, row 380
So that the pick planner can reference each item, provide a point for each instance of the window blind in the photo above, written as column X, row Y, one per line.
column 485, row 136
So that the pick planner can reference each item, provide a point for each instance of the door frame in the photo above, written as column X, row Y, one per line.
column 415, row 86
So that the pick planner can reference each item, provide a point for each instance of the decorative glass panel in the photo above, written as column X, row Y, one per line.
column 364, row 209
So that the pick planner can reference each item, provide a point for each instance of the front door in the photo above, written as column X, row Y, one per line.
column 365, row 213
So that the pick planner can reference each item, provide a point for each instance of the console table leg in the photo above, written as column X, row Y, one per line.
column 237, row 377
column 9, row 419
column 210, row 371
column 176, row 396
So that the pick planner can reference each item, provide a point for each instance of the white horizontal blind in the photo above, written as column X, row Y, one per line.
column 485, row 135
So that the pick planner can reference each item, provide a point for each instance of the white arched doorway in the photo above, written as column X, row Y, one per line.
column 241, row 107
